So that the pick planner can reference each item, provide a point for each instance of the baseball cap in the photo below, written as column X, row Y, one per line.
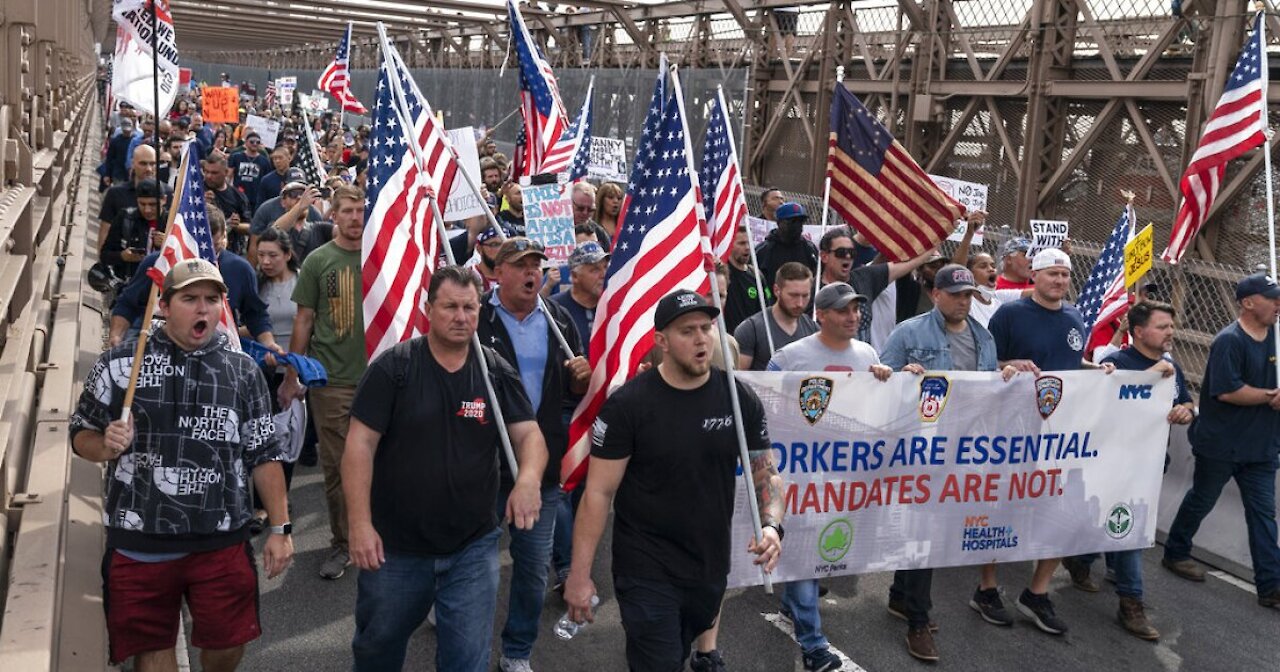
column 587, row 252
column 790, row 210
column 954, row 278
column 936, row 256
column 487, row 235
column 517, row 248
column 836, row 295
column 192, row 271
column 1258, row 283
column 1013, row 245
column 1050, row 257
column 678, row 303
column 294, row 178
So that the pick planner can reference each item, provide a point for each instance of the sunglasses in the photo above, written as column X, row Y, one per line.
column 842, row 253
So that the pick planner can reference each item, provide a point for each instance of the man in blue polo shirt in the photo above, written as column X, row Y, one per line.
column 1237, row 435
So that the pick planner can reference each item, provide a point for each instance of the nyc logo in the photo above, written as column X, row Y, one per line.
column 1135, row 391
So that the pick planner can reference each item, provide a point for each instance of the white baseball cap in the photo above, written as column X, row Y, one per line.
column 1050, row 257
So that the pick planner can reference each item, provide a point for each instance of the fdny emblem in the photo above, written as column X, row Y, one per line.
column 933, row 397
column 815, row 396
column 1048, row 395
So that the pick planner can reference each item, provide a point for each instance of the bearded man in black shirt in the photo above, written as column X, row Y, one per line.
column 673, row 477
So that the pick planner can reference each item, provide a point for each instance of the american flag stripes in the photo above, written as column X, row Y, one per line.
column 269, row 97
column 1105, row 298
column 658, row 249
column 545, row 121
column 579, row 138
column 400, row 243
column 190, row 236
column 722, row 194
column 879, row 189
column 309, row 155
column 336, row 79
column 1235, row 127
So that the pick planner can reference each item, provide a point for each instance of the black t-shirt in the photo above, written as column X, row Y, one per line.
column 435, row 474
column 116, row 199
column 870, row 281
column 673, row 509
column 1225, row 431
column 743, row 298
column 232, row 202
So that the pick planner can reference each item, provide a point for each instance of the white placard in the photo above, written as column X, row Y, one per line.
column 1047, row 233
column 462, row 203
column 608, row 160
column 971, row 195
column 268, row 129
column 285, row 86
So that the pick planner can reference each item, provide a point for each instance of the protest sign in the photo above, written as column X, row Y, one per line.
column 957, row 468
column 607, row 160
column 184, row 79
column 971, row 195
column 314, row 103
column 462, row 202
column 220, row 104
column 548, row 219
column 285, row 86
column 1047, row 233
column 760, row 228
column 1139, row 253
column 268, row 129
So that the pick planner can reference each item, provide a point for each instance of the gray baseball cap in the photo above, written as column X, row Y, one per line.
column 836, row 295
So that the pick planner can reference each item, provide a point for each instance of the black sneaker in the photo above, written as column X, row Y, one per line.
column 784, row 612
column 821, row 660
column 707, row 662
column 1039, row 609
column 1270, row 600
column 989, row 605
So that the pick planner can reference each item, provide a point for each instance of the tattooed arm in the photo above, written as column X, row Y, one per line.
column 768, row 487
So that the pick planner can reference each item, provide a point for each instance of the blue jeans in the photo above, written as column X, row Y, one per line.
column 562, row 550
column 394, row 600
column 530, row 553
column 1127, row 566
column 801, row 599
column 1257, row 482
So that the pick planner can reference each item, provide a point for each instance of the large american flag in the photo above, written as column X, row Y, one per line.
column 269, row 97
column 1105, row 298
column 879, row 189
column 190, row 236
column 578, row 137
column 1235, row 127
column 545, row 121
column 336, row 79
column 400, row 243
column 658, row 250
column 308, row 160
column 722, row 194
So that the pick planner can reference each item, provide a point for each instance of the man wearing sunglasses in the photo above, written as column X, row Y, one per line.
column 249, row 164
column 1015, row 264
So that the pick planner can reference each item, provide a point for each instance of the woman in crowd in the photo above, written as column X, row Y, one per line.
column 609, row 207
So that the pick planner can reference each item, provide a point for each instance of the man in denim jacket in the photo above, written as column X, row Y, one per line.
column 943, row 339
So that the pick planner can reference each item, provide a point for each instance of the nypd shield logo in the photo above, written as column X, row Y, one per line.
column 933, row 397
column 815, row 396
column 1048, row 395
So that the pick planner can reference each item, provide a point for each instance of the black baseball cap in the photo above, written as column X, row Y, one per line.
column 678, row 303
column 1258, row 283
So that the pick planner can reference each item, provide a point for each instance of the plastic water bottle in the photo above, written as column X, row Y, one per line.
column 566, row 627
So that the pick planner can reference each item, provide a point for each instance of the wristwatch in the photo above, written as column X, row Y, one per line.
column 777, row 527
column 286, row 528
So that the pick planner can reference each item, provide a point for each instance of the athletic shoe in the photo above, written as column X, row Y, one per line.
column 335, row 565
column 1080, row 577
column 514, row 665
column 1039, row 609
column 898, row 609
column 1271, row 599
column 920, row 644
column 1188, row 569
column 989, row 605
column 821, row 660
column 707, row 662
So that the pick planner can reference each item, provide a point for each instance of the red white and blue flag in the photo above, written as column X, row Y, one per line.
column 190, row 236
column 336, row 79
column 578, row 137
column 722, row 194
column 269, row 96
column 1105, row 299
column 1236, row 126
column 545, row 121
column 658, row 249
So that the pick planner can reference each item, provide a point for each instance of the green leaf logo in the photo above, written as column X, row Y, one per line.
column 835, row 540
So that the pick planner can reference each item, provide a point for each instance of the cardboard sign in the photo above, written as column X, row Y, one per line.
column 1139, row 254
column 608, row 160
column 462, row 202
column 285, row 86
column 548, row 219
column 221, row 104
column 1047, row 233
column 971, row 195
column 760, row 228
column 268, row 129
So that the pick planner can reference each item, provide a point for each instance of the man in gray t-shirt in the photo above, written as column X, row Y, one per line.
column 786, row 319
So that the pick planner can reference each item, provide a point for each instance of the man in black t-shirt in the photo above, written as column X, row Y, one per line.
column 673, row 477
column 743, row 298
column 221, row 194
column 420, row 476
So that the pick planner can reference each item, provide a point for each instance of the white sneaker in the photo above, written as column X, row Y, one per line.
column 514, row 665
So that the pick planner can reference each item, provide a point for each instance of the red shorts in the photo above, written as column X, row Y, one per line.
column 143, row 599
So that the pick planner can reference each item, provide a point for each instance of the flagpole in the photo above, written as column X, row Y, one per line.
column 826, row 203
column 155, row 83
column 729, row 365
column 406, row 126
column 1266, row 158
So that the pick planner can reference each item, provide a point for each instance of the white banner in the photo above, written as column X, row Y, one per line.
column 957, row 468
column 268, row 129
column 462, row 202
column 133, row 76
column 607, row 160
column 285, row 86
column 1047, row 233
column 971, row 195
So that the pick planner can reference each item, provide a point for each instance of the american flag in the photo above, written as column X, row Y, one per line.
column 722, row 193
column 544, row 118
column 269, row 97
column 190, row 236
column 400, row 243
column 658, row 250
column 879, row 188
column 309, row 161
column 1105, row 298
column 336, row 78
column 1235, row 127
column 578, row 137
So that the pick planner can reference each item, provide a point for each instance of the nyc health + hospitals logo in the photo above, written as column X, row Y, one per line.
column 1119, row 521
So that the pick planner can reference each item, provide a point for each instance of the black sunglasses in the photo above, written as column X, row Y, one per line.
column 843, row 252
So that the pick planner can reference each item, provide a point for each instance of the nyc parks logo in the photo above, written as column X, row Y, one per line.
column 835, row 540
